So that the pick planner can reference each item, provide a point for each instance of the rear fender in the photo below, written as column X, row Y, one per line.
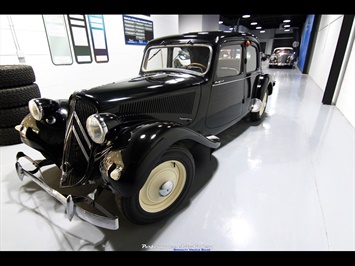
column 264, row 82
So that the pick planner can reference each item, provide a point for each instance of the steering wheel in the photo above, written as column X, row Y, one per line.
column 197, row 64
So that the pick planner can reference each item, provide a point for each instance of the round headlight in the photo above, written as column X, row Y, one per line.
column 97, row 128
column 36, row 110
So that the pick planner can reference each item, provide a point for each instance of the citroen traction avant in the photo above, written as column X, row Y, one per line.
column 140, row 138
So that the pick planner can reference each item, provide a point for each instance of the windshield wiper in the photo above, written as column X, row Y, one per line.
column 154, row 54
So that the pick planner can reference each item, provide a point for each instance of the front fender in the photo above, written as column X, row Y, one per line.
column 146, row 145
column 45, row 138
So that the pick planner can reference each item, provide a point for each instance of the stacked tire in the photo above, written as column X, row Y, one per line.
column 17, row 87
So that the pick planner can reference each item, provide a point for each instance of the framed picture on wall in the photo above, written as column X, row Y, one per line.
column 137, row 31
column 98, row 37
column 80, row 38
column 58, row 39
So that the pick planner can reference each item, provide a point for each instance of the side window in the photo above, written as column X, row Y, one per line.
column 229, row 61
column 252, row 56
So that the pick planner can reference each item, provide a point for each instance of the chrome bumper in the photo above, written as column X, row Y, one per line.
column 108, row 220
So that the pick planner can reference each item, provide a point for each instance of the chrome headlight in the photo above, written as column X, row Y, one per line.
column 36, row 109
column 97, row 128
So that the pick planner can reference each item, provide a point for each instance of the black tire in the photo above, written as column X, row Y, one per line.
column 257, row 116
column 12, row 116
column 148, row 205
column 16, row 75
column 9, row 136
column 18, row 96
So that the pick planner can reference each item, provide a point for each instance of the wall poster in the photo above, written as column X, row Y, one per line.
column 58, row 39
column 137, row 31
column 80, row 38
column 98, row 37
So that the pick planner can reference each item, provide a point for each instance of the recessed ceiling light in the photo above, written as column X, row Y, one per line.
column 258, row 28
column 220, row 22
column 287, row 26
column 246, row 16
column 253, row 23
column 286, row 29
column 287, row 20
column 262, row 31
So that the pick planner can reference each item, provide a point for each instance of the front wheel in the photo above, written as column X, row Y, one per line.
column 164, row 190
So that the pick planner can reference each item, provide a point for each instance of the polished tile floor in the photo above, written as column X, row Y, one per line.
column 285, row 184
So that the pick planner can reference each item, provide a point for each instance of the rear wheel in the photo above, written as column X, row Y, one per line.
column 256, row 116
column 164, row 190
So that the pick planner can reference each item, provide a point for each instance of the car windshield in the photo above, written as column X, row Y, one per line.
column 283, row 51
column 193, row 59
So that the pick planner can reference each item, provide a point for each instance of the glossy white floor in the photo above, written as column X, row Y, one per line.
column 286, row 184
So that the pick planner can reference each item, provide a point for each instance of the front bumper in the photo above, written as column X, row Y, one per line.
column 281, row 64
column 106, row 220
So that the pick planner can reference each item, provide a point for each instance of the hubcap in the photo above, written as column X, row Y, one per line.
column 166, row 188
column 163, row 186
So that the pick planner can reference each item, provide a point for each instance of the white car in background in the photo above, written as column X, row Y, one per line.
column 282, row 57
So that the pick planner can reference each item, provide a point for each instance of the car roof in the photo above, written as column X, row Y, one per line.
column 204, row 36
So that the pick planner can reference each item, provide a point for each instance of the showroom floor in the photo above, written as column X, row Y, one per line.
column 285, row 184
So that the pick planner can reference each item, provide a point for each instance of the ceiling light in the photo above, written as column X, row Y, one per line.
column 253, row 23
column 287, row 20
column 262, row 31
column 287, row 26
column 258, row 28
column 286, row 29
column 246, row 16
column 220, row 22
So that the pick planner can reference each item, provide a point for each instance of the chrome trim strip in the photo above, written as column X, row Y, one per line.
column 70, row 123
column 82, row 129
column 222, row 82
column 80, row 144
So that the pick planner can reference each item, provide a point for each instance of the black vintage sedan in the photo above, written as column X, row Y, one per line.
column 282, row 57
column 140, row 139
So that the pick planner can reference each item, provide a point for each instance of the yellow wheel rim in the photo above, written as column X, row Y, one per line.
column 264, row 100
column 163, row 186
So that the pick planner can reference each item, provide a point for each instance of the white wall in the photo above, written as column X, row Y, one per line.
column 60, row 81
column 324, row 49
column 321, row 62
column 345, row 95
column 190, row 23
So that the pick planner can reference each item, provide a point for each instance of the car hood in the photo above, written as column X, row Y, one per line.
column 108, row 96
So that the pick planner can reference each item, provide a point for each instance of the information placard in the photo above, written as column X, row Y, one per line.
column 80, row 39
column 58, row 39
column 98, row 37
column 137, row 31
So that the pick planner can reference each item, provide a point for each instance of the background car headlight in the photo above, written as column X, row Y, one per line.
column 97, row 128
column 35, row 109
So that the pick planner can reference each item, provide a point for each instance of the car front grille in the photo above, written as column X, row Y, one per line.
column 283, row 58
column 78, row 145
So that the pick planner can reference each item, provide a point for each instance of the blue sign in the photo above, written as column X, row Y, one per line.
column 137, row 31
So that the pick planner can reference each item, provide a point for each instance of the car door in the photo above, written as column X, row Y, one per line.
column 252, row 72
column 227, row 92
